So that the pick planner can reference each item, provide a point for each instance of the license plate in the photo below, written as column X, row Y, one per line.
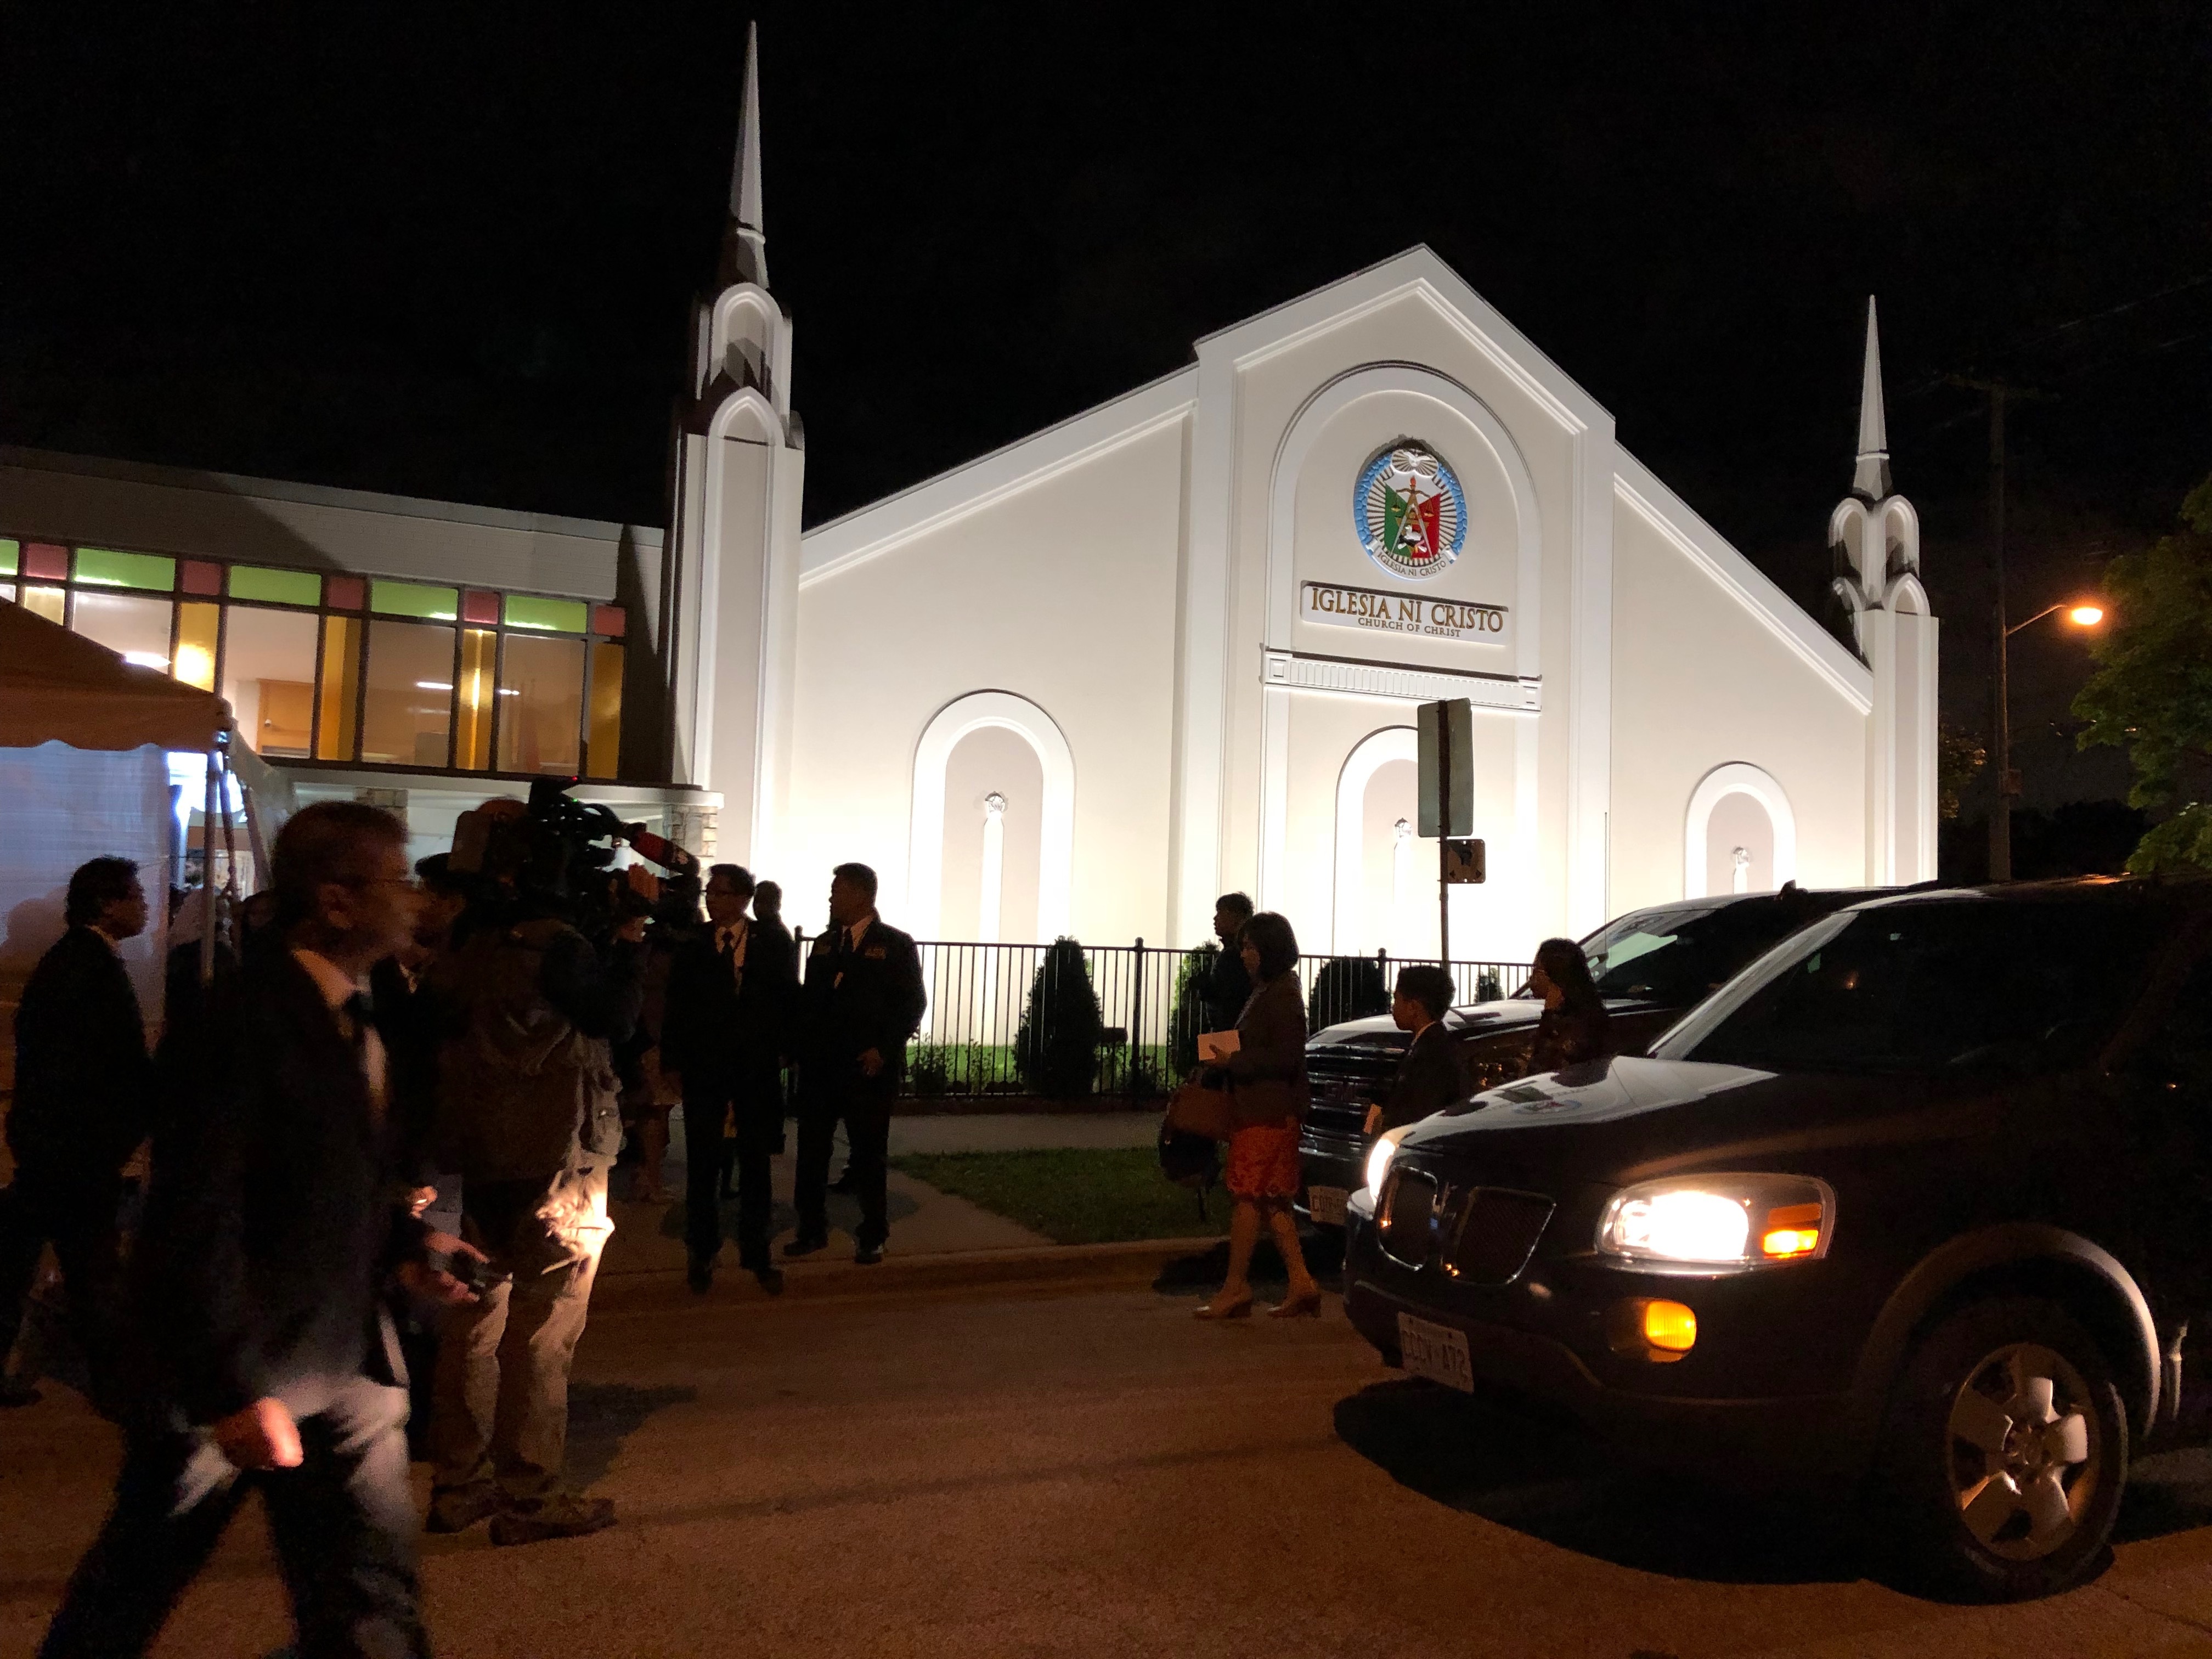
column 1326, row 1204
column 1436, row 1351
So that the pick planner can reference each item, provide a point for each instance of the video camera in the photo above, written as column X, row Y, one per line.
column 554, row 854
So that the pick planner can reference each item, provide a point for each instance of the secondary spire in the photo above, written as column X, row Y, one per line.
column 745, row 244
column 1871, row 480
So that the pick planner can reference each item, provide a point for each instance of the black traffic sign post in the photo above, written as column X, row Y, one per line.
column 1446, row 732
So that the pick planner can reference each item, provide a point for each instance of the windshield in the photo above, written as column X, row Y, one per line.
column 1928, row 987
column 1679, row 956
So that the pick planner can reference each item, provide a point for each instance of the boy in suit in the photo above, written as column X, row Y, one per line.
column 1428, row 1077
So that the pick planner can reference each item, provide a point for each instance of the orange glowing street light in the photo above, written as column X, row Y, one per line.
column 2082, row 613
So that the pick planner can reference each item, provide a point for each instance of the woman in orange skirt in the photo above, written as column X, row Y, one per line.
column 1268, row 1098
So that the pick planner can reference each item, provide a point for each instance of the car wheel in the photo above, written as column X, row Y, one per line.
column 2004, row 1452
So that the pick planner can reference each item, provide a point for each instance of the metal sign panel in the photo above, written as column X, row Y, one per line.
column 1466, row 862
column 1447, row 763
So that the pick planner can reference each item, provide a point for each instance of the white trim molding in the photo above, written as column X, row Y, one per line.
column 1372, row 753
column 1736, row 778
column 975, row 712
column 1305, row 670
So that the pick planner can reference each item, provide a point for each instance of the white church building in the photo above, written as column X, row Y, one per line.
column 1171, row 647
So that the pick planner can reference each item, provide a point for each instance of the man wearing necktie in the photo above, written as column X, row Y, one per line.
column 722, row 1040
column 862, row 1002
column 275, row 1217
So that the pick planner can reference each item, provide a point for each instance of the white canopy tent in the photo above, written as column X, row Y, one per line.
column 85, row 739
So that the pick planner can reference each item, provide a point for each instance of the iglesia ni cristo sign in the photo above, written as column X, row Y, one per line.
column 1335, row 606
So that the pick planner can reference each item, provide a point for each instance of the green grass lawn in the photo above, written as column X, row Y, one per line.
column 1074, row 1197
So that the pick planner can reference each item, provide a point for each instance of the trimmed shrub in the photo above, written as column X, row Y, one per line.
column 1187, row 1016
column 1056, row 1050
column 1347, row 988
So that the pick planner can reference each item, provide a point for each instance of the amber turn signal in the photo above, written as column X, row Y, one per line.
column 1670, row 1326
column 1790, row 1230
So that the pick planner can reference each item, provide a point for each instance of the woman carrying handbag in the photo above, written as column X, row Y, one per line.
column 1267, row 1097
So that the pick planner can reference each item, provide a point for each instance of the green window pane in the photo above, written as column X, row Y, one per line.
column 10, row 552
column 555, row 616
column 249, row 582
column 413, row 599
column 102, row 569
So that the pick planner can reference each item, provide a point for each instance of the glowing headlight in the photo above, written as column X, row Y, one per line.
column 1722, row 1220
column 1378, row 1162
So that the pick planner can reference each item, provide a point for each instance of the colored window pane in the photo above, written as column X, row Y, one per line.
column 480, row 607
column 472, row 697
column 7, row 591
column 47, row 602
column 408, row 715
column 611, row 620
column 251, row 581
column 103, row 568
column 338, row 692
column 413, row 599
column 48, row 562
column 344, row 592
column 541, row 704
column 268, row 680
column 556, row 616
column 135, row 628
column 10, row 552
column 602, row 753
column 198, row 629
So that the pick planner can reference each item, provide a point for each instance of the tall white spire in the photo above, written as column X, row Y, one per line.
column 1871, row 480
column 745, row 255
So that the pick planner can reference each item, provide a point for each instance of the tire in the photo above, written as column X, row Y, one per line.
column 2003, row 1454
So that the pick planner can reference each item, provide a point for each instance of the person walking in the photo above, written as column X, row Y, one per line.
column 83, row 1101
column 1574, row 1027
column 1428, row 1078
column 768, row 916
column 271, row 1227
column 1268, row 1098
column 730, row 996
column 530, row 1118
column 862, row 1001
column 1228, row 982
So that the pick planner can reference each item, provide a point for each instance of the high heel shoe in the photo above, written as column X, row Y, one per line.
column 1298, row 1307
column 1218, row 1309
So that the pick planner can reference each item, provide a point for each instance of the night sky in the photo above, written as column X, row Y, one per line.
column 449, row 251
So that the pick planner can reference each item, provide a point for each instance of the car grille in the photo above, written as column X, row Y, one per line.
column 1329, row 1143
column 1478, row 1235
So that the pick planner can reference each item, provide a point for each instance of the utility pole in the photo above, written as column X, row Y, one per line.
column 2000, row 392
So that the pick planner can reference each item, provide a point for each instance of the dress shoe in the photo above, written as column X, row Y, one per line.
column 804, row 1245
column 1218, row 1308
column 459, row 1508
column 700, row 1277
column 15, row 1391
column 868, row 1255
column 565, row 1514
column 768, row 1276
column 1298, row 1307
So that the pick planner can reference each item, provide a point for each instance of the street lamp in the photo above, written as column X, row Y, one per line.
column 2079, row 613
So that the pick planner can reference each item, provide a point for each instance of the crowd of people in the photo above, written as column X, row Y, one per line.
column 375, row 1032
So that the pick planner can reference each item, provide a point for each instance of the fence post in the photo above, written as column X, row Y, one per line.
column 1136, row 1017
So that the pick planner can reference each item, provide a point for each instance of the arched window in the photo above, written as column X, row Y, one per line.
column 983, row 711
column 1739, row 834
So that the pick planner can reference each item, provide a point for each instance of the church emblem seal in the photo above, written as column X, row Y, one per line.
column 1409, row 512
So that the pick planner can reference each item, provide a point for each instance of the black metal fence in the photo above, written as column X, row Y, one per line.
column 1070, row 1021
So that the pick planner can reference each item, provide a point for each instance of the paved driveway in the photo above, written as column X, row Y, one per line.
column 976, row 1473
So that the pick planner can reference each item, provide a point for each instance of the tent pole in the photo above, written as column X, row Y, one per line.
column 207, row 867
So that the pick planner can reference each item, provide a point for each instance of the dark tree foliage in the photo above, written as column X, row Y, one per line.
column 1188, row 1017
column 2152, row 692
column 1056, row 1050
column 1347, row 988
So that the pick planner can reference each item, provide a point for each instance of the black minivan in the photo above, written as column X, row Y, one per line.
column 1914, row 1208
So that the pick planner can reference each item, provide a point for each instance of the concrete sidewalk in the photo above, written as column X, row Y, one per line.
column 648, row 1238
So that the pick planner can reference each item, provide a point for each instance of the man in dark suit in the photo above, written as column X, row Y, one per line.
column 1228, row 987
column 83, row 1101
column 1428, row 1077
column 730, row 996
column 274, row 1218
column 863, row 999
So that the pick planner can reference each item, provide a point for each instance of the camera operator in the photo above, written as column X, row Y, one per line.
column 530, row 1118
column 275, row 1218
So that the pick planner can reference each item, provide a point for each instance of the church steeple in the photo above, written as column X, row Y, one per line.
column 745, row 243
column 1871, row 480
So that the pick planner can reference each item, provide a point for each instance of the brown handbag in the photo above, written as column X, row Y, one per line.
column 1195, row 1109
